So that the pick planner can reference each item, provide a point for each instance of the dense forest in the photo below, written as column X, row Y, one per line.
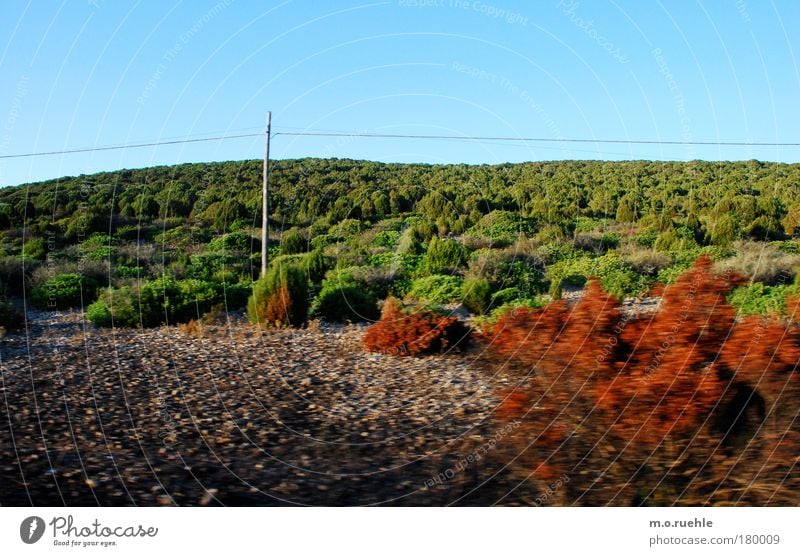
column 168, row 244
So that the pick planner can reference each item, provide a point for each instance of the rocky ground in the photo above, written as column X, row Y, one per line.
column 233, row 416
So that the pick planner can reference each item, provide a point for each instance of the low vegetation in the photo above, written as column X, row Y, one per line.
column 403, row 331
column 692, row 401
column 686, row 404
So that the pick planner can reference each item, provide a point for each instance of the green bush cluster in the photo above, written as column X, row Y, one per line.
column 476, row 295
column 614, row 274
column 341, row 299
column 758, row 299
column 99, row 247
column 234, row 241
column 280, row 297
column 292, row 242
column 64, row 291
column 503, row 225
column 438, row 288
column 162, row 301
column 444, row 256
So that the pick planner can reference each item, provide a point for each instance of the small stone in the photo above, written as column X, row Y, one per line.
column 208, row 496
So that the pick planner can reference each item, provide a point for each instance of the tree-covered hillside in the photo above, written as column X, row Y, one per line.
column 185, row 238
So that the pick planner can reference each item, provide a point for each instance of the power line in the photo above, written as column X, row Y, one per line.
column 475, row 138
column 132, row 146
column 538, row 139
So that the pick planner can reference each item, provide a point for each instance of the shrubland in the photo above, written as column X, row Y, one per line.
column 436, row 234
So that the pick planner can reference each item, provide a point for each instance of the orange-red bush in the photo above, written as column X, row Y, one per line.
column 648, row 407
column 412, row 333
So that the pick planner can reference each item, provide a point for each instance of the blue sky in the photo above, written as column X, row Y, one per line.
column 94, row 73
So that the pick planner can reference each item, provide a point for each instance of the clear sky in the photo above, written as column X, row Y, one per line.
column 84, row 73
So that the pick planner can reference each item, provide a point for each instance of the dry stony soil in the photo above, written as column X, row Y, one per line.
column 231, row 415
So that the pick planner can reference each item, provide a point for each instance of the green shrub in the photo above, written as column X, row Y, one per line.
column 669, row 274
column 676, row 239
column 387, row 238
column 646, row 238
column 323, row 240
column 594, row 242
column 609, row 240
column 233, row 241
column 587, row 224
column 344, row 301
column 99, row 247
column 316, row 264
column 347, row 228
column 376, row 281
column 115, row 307
column 503, row 269
column 194, row 298
column 292, row 243
column 287, row 260
column 444, row 256
column 34, row 249
column 184, row 236
column 503, row 225
column 437, row 288
column 551, row 233
column 408, row 264
column 488, row 321
column 64, row 291
column 792, row 247
column 125, row 271
column 130, row 232
column 410, row 242
column 758, row 299
column 162, row 301
column 476, row 295
column 280, row 298
column 616, row 277
column 386, row 274
column 723, row 229
column 505, row 296
column 555, row 251
column 204, row 265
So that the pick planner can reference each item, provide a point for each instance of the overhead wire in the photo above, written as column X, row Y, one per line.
column 320, row 133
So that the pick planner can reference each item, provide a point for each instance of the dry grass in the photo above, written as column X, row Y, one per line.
column 644, row 260
column 192, row 328
column 761, row 262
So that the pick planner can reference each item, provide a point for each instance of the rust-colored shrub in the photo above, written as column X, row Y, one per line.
column 278, row 305
column 682, row 405
column 192, row 328
column 764, row 355
column 280, row 298
column 515, row 405
column 400, row 332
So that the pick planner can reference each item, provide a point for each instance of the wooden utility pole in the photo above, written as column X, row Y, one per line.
column 265, row 202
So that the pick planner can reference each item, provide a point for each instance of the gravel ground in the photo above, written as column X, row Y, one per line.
column 234, row 416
